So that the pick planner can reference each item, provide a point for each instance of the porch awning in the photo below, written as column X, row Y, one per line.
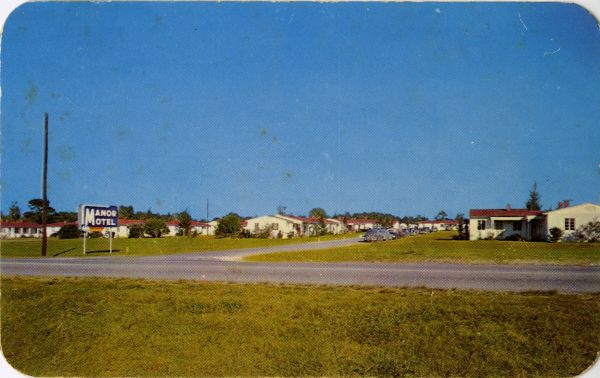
column 507, row 218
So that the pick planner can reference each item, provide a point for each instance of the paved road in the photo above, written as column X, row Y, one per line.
column 222, row 266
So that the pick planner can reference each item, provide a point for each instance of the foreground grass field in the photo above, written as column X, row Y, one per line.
column 103, row 327
column 143, row 247
column 439, row 247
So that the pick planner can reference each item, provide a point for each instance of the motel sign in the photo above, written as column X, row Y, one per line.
column 98, row 216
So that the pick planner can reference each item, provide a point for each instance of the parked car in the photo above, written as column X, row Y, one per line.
column 377, row 234
column 396, row 233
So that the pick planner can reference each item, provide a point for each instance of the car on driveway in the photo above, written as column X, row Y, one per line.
column 397, row 233
column 377, row 234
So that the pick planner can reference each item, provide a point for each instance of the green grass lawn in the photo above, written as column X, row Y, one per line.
column 105, row 327
column 142, row 247
column 439, row 247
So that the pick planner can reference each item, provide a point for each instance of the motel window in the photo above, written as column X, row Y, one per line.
column 275, row 226
column 517, row 225
column 570, row 224
column 481, row 224
column 498, row 225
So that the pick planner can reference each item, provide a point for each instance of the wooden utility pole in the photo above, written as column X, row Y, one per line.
column 207, row 225
column 44, row 187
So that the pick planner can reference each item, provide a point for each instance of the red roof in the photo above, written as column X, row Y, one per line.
column 503, row 212
column 19, row 224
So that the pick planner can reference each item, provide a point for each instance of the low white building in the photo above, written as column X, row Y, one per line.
column 438, row 225
column 336, row 226
column 286, row 226
column 53, row 228
column 212, row 227
column 200, row 228
column 12, row 230
column 355, row 224
column 504, row 223
column 529, row 224
column 122, row 231
column 276, row 225
column 569, row 218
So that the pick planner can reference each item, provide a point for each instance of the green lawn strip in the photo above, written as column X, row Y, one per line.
column 439, row 247
column 144, row 246
column 105, row 327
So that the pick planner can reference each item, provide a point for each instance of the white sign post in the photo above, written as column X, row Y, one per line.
column 96, row 218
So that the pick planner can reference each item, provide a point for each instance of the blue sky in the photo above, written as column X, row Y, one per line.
column 402, row 108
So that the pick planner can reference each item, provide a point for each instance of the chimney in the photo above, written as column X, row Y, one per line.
column 508, row 206
column 560, row 205
column 566, row 203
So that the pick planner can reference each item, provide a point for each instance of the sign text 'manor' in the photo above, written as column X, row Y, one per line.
column 99, row 216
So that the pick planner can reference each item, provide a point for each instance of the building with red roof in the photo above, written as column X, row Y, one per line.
column 358, row 224
column 200, row 228
column 530, row 224
column 20, row 229
column 504, row 223
column 438, row 224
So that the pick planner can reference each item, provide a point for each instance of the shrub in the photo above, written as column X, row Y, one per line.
column 264, row 233
column 555, row 234
column 489, row 236
column 229, row 226
column 245, row 234
column 588, row 233
column 155, row 227
column 95, row 234
column 69, row 231
column 514, row 237
column 136, row 231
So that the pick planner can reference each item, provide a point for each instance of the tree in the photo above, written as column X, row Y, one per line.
column 63, row 216
column 318, row 213
column 463, row 227
column 533, row 203
column 185, row 222
column 441, row 215
column 126, row 212
column 281, row 210
column 229, row 226
column 155, row 227
column 14, row 212
column 35, row 210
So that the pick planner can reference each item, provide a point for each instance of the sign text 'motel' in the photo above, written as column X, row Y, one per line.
column 98, row 216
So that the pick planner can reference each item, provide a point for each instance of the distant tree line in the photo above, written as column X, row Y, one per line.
column 34, row 215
